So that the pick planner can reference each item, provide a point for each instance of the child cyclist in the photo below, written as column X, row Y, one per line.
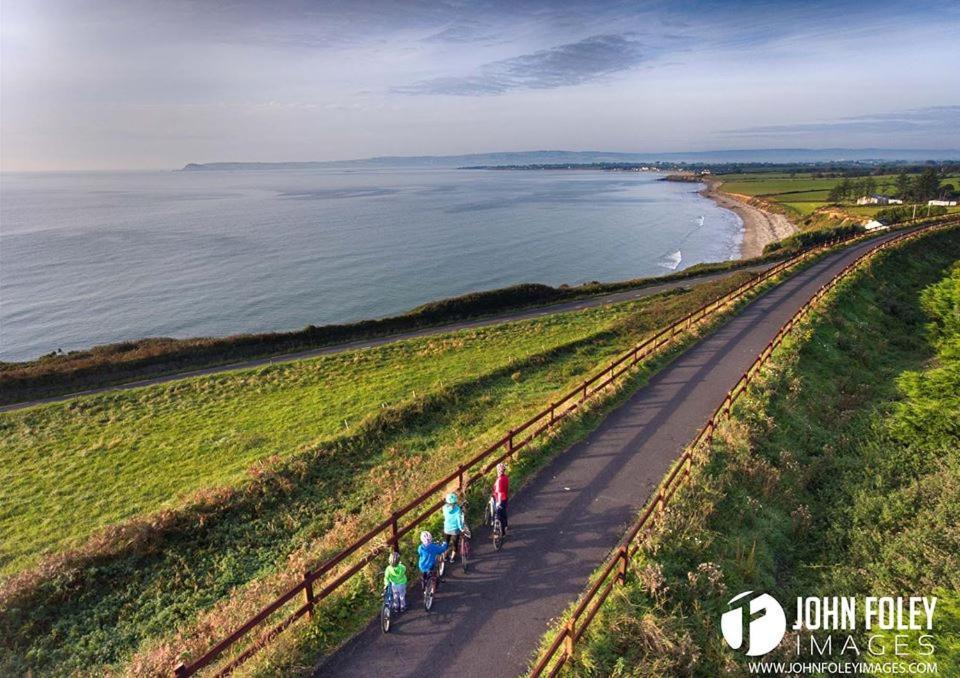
column 395, row 577
column 454, row 523
column 501, row 487
column 428, row 552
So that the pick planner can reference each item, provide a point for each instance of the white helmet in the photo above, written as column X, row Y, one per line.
column 501, row 468
column 426, row 538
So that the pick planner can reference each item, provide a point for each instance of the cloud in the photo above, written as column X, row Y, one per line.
column 463, row 33
column 570, row 64
column 922, row 120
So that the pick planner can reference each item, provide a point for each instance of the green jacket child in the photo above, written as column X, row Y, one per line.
column 395, row 576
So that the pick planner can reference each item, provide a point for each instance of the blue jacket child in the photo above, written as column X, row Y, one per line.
column 428, row 552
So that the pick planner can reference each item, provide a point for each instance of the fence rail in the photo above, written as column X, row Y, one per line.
column 389, row 532
column 561, row 649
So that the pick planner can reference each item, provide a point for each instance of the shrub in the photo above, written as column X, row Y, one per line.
column 805, row 239
column 896, row 215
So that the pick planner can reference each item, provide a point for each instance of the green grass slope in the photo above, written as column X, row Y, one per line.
column 69, row 469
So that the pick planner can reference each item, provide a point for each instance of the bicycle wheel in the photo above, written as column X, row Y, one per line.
column 428, row 594
column 464, row 552
column 443, row 566
column 497, row 535
column 385, row 615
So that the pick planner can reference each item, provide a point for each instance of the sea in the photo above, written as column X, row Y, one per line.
column 90, row 258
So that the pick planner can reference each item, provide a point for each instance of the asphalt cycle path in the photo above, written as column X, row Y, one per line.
column 566, row 520
column 524, row 314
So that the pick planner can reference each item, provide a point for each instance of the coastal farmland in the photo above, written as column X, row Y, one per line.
column 801, row 195
column 348, row 435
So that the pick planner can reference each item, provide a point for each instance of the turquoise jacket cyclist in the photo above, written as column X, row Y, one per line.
column 453, row 521
column 454, row 524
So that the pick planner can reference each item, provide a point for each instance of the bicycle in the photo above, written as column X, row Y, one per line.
column 464, row 548
column 391, row 606
column 493, row 519
column 429, row 583
column 461, row 548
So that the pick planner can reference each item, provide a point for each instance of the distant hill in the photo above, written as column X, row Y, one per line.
column 772, row 155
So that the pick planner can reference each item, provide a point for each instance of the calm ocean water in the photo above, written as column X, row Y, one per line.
column 92, row 258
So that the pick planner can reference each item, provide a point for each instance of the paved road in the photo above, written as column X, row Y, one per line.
column 535, row 312
column 565, row 521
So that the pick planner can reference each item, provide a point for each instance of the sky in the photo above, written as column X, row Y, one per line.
column 147, row 84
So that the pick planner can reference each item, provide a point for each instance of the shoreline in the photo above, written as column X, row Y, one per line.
column 760, row 227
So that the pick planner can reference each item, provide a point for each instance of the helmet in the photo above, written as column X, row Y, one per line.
column 501, row 468
column 452, row 498
column 394, row 558
column 426, row 538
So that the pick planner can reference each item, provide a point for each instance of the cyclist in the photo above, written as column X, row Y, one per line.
column 395, row 577
column 501, row 486
column 454, row 523
column 428, row 552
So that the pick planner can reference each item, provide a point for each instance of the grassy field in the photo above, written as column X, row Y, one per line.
column 348, row 458
column 839, row 474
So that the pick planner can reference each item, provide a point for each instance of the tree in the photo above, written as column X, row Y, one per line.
column 841, row 190
column 927, row 185
column 903, row 186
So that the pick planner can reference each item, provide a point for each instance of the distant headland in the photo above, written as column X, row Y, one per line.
column 561, row 158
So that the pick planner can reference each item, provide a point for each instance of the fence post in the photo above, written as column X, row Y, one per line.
column 569, row 632
column 553, row 413
column 308, row 580
column 584, row 396
column 394, row 532
column 510, row 441
column 180, row 670
column 460, row 468
column 661, row 504
column 622, row 574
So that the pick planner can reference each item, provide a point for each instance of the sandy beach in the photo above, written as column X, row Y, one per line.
column 760, row 226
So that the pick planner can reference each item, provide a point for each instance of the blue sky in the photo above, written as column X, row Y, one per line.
column 145, row 84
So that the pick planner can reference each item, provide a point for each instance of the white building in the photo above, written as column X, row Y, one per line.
column 878, row 200
column 942, row 203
